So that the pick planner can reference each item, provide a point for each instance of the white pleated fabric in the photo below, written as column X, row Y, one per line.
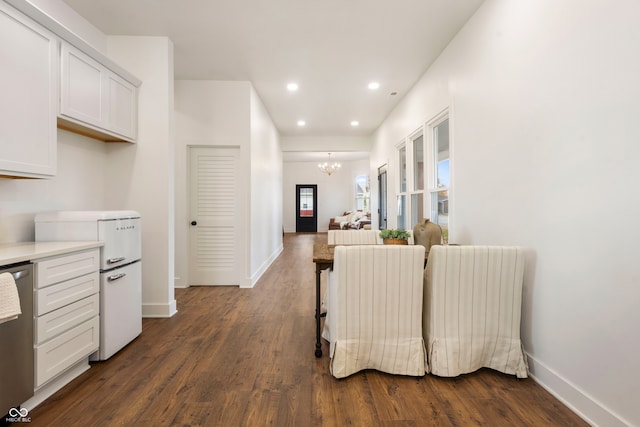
column 354, row 237
column 374, row 317
column 472, row 308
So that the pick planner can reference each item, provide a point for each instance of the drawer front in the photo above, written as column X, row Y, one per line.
column 68, row 317
column 64, row 351
column 59, row 269
column 65, row 293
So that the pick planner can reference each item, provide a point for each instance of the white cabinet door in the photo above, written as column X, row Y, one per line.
column 94, row 100
column 28, row 104
column 83, row 96
column 56, row 355
column 123, row 107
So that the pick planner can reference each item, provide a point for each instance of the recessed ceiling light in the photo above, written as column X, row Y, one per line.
column 355, row 123
column 374, row 85
column 292, row 87
column 301, row 123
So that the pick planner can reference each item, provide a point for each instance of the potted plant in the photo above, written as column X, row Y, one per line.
column 394, row 237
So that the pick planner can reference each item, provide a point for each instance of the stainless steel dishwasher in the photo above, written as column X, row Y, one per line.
column 16, row 344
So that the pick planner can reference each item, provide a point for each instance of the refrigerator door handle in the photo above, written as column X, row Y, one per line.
column 115, row 260
column 116, row 277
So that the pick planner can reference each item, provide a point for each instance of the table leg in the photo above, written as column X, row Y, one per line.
column 318, row 343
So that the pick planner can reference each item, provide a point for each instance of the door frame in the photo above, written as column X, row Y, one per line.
column 383, row 196
column 311, row 224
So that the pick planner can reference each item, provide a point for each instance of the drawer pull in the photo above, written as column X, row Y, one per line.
column 114, row 260
column 116, row 277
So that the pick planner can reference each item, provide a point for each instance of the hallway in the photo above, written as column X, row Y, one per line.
column 244, row 357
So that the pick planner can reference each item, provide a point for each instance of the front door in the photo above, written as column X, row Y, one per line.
column 306, row 208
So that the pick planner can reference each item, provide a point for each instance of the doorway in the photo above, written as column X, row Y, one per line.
column 382, row 197
column 306, row 208
column 214, row 216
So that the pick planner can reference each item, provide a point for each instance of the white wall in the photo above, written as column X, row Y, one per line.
column 266, row 190
column 219, row 113
column 336, row 193
column 210, row 113
column 79, row 184
column 544, row 100
column 141, row 175
column 332, row 144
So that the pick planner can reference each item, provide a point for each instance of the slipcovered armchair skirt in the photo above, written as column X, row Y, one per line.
column 472, row 309
column 351, row 237
column 374, row 315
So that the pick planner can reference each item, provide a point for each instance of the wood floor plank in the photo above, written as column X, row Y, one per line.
column 244, row 357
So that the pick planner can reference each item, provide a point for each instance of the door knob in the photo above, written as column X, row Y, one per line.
column 194, row 223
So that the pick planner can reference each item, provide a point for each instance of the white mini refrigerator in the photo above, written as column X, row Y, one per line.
column 120, row 267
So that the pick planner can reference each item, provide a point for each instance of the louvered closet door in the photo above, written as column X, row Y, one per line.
column 214, row 210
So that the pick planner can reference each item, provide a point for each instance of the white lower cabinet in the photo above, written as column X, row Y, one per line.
column 67, row 309
column 62, row 352
column 55, row 323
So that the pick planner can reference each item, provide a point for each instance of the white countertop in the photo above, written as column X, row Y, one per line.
column 11, row 253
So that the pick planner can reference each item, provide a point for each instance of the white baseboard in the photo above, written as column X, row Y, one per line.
column 265, row 265
column 179, row 283
column 159, row 310
column 585, row 406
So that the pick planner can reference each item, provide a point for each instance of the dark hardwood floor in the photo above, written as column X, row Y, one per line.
column 244, row 357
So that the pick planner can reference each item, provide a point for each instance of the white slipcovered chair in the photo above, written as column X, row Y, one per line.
column 354, row 237
column 472, row 308
column 374, row 317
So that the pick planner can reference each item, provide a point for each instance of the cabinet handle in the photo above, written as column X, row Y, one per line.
column 116, row 277
column 114, row 260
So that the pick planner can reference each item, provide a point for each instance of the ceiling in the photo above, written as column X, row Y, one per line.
column 332, row 49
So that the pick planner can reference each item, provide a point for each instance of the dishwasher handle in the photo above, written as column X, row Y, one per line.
column 17, row 275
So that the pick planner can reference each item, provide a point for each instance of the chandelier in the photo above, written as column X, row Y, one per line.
column 328, row 167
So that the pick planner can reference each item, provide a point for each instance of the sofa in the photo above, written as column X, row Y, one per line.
column 350, row 220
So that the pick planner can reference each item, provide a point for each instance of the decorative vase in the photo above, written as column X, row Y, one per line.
column 427, row 234
column 391, row 241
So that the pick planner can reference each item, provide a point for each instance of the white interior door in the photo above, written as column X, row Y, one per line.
column 214, row 210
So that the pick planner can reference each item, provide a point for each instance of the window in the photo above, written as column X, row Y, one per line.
column 362, row 193
column 411, row 172
column 417, row 183
column 402, row 190
column 306, row 202
column 418, row 162
column 440, row 178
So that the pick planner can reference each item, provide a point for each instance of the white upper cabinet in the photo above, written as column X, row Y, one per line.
column 123, row 106
column 82, row 88
column 28, row 104
column 94, row 100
